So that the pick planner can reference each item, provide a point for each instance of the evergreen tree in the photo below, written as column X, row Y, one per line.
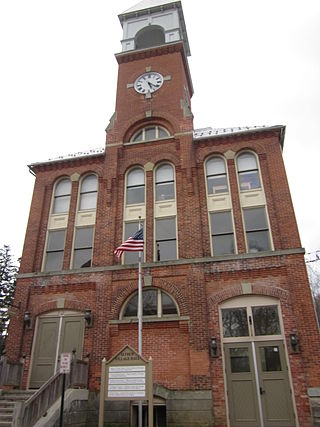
column 8, row 274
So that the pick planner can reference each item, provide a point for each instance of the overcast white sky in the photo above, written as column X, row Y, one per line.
column 254, row 62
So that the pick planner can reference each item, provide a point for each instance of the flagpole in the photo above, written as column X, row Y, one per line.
column 140, row 324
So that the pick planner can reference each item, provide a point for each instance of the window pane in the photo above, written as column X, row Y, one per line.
column 246, row 161
column 82, row 258
column 54, row 261
column 216, row 166
column 258, row 241
column 84, row 237
column 136, row 177
column 166, row 229
column 90, row 183
column 270, row 359
column 129, row 229
column 168, row 306
column 164, row 173
column 217, row 184
column 255, row 219
column 150, row 302
column 165, row 191
column 234, row 322
column 135, row 195
column 239, row 360
column 166, row 250
column 88, row 201
column 163, row 133
column 221, row 223
column 63, row 188
column 150, row 133
column 61, row 204
column 266, row 320
column 249, row 180
column 132, row 307
column 56, row 240
column 223, row 245
column 138, row 137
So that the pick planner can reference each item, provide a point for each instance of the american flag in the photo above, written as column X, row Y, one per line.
column 133, row 244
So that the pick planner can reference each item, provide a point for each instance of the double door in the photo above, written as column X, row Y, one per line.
column 54, row 335
column 258, row 388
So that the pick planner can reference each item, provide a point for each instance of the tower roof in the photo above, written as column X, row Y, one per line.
column 147, row 4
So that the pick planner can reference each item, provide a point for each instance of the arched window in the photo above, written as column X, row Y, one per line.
column 150, row 36
column 135, row 186
column 150, row 133
column 248, row 172
column 164, row 183
column 62, row 193
column 88, row 192
column 155, row 303
column 216, row 176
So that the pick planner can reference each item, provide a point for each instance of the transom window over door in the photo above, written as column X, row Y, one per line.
column 135, row 187
column 254, row 318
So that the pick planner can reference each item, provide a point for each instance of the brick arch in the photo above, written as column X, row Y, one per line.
column 131, row 288
column 53, row 306
column 236, row 291
column 164, row 119
column 212, row 151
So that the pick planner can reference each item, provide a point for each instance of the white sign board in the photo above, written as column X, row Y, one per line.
column 65, row 363
column 127, row 381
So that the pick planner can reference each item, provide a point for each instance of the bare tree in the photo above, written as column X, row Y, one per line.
column 313, row 268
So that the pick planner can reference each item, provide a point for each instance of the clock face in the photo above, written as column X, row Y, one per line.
column 148, row 82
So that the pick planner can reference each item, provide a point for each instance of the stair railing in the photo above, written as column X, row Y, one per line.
column 27, row 413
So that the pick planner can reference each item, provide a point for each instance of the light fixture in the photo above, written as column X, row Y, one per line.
column 214, row 347
column 27, row 319
column 294, row 342
column 88, row 317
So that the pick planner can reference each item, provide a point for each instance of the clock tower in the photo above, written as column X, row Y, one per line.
column 154, row 82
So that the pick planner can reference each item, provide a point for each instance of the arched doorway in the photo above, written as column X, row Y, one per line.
column 55, row 333
column 259, row 392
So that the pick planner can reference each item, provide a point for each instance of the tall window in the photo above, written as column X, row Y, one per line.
column 216, row 176
column 222, row 233
column 257, row 230
column 82, row 255
column 129, row 229
column 88, row 192
column 62, row 193
column 166, row 241
column 248, row 172
column 55, row 250
column 135, row 186
column 164, row 183
column 150, row 133
column 155, row 303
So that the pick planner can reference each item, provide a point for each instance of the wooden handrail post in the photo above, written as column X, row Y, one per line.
column 102, row 392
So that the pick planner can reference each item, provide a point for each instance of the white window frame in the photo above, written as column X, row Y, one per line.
column 143, row 130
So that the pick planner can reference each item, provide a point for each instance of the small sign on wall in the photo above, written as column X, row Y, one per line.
column 65, row 363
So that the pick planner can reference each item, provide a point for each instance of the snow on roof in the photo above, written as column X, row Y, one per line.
column 202, row 133
column 209, row 131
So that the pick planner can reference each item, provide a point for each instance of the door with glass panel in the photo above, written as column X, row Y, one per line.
column 258, row 387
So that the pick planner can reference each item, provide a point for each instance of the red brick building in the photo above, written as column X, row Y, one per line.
column 227, row 311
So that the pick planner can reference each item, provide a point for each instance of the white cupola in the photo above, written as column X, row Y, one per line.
column 153, row 23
